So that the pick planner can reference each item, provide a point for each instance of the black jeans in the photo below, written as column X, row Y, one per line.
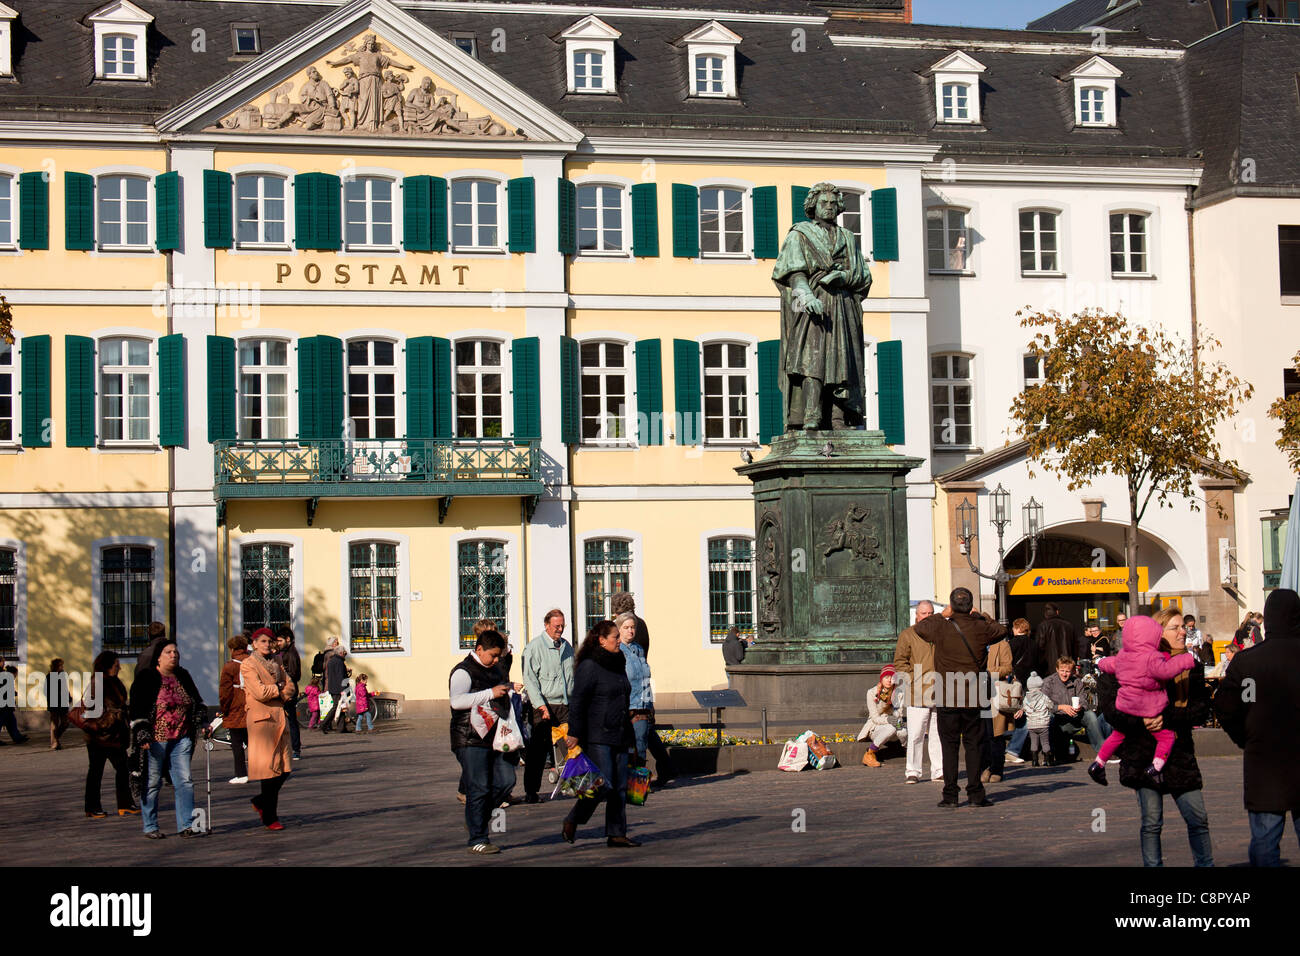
column 95, row 776
column 238, row 748
column 962, row 726
column 539, row 745
column 665, row 769
column 295, row 733
column 268, row 801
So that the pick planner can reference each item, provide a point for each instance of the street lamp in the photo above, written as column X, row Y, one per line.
column 967, row 516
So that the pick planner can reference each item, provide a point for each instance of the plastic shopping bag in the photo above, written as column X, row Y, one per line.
column 794, row 757
column 483, row 718
column 819, row 755
column 581, row 777
column 508, row 738
column 517, row 707
column 638, row 786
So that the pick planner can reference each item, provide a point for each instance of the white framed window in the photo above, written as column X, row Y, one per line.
column 600, row 218
column 947, row 239
column 8, row 212
column 957, row 88
column 7, row 17
column 722, row 221
column 375, row 596
column 368, row 221
column 956, row 102
column 851, row 217
column 589, row 55
column 261, row 210
column 727, row 389
column 372, row 388
column 120, row 50
column 122, row 204
column 1032, row 370
column 731, row 587
column 480, row 396
column 126, row 393
column 952, row 401
column 606, row 379
column 264, row 373
column 8, row 392
column 126, row 596
column 607, row 570
column 711, row 59
column 475, row 215
column 1040, row 251
column 1095, row 94
column 483, row 592
column 1129, row 250
column 245, row 38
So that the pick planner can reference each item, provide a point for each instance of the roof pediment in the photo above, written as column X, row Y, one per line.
column 958, row 62
column 712, row 32
column 7, row 13
column 369, row 70
column 120, row 11
column 1095, row 69
column 590, row 28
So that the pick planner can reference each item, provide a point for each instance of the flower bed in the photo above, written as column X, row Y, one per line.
column 709, row 738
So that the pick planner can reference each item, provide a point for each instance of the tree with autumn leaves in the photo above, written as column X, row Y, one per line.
column 1123, row 399
column 1286, row 412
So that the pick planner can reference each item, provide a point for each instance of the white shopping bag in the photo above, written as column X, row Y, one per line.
column 794, row 757
column 508, row 738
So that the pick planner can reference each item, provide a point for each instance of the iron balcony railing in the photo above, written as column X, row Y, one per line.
column 401, row 467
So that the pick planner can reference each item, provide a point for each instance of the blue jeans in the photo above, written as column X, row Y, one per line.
column 1097, row 727
column 368, row 718
column 1192, row 806
column 612, row 762
column 488, row 782
column 1266, row 831
column 175, row 754
column 1018, row 736
column 641, row 729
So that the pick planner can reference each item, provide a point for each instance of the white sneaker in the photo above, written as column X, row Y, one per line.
column 912, row 779
column 1012, row 758
column 239, row 780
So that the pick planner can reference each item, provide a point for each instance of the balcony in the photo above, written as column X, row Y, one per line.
column 381, row 468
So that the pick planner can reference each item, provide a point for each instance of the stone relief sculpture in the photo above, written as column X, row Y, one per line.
column 849, row 533
column 371, row 99
column 769, row 582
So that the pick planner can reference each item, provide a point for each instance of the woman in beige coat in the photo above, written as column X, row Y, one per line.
column 996, row 729
column 266, row 688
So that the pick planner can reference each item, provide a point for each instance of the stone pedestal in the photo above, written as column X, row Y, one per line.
column 831, row 532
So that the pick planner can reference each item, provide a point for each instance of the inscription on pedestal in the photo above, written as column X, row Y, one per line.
column 858, row 604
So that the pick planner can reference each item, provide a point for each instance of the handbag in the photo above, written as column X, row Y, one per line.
column 638, row 786
column 1008, row 695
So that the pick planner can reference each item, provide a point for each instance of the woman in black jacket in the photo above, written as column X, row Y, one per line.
column 600, row 722
column 166, row 717
column 107, row 737
column 1189, row 706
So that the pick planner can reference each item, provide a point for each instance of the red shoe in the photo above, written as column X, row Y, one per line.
column 277, row 826
column 259, row 810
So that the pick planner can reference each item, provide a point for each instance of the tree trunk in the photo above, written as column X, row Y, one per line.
column 1130, row 558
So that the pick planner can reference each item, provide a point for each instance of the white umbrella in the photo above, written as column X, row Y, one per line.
column 1291, row 547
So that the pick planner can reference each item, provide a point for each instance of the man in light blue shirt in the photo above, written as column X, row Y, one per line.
column 547, row 663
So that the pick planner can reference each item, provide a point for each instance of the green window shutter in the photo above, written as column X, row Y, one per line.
column 884, row 224
column 686, row 221
column 78, row 211
column 218, row 232
column 771, row 423
column 317, row 213
column 167, row 211
column 171, row 391
column 797, row 196
column 765, row 227
column 526, row 362
column 649, row 391
column 686, row 393
column 442, row 387
column 570, row 392
column 520, row 198
column 79, row 381
column 36, row 390
column 645, row 219
column 33, row 211
column 417, row 224
column 437, row 214
column 221, row 389
column 889, row 378
column 308, row 389
column 419, row 387
column 568, row 218
column 329, row 379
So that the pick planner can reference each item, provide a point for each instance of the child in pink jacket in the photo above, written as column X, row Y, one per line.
column 1142, row 669
column 313, row 702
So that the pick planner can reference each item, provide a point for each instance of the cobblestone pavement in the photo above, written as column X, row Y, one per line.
column 390, row 798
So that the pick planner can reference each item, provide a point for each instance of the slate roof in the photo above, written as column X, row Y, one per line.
column 855, row 93
column 1072, row 16
column 1185, row 21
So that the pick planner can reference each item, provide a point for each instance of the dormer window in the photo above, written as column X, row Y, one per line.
column 120, row 41
column 711, row 60
column 246, row 39
column 589, row 53
column 1094, row 93
column 467, row 43
column 957, row 89
column 7, row 17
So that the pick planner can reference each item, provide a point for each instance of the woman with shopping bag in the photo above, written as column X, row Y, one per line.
column 599, row 722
